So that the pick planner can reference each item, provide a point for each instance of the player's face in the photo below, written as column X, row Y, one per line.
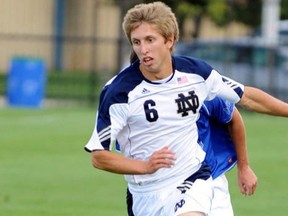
column 153, row 51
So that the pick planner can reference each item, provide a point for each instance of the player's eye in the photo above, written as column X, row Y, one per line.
column 150, row 40
column 136, row 42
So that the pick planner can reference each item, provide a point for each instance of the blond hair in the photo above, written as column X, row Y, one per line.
column 157, row 13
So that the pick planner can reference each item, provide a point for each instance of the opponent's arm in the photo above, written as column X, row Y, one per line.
column 247, row 180
column 257, row 100
column 116, row 163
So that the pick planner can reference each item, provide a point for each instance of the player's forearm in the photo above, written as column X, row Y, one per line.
column 257, row 100
column 247, row 180
column 112, row 162
column 238, row 134
column 116, row 163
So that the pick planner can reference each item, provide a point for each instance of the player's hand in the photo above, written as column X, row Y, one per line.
column 247, row 181
column 163, row 158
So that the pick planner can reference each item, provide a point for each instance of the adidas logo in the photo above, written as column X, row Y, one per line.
column 145, row 91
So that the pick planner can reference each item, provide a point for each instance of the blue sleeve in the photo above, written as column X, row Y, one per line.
column 219, row 109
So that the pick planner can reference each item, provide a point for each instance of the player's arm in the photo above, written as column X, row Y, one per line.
column 257, row 100
column 250, row 98
column 103, row 159
column 247, row 180
column 116, row 163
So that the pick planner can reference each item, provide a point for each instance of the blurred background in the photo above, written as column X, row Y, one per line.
column 63, row 51
column 55, row 56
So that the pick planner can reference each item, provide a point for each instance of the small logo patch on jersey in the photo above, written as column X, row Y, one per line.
column 182, row 80
column 145, row 91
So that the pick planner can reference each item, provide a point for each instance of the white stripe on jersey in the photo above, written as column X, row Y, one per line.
column 105, row 134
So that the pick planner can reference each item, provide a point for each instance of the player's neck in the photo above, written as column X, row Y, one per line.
column 157, row 74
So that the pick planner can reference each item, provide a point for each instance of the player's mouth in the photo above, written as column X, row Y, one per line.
column 147, row 60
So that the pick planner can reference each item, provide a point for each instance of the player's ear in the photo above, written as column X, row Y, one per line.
column 170, row 42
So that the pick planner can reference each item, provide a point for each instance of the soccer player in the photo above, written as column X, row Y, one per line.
column 222, row 136
column 151, row 109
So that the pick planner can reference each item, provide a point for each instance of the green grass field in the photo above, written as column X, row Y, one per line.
column 45, row 171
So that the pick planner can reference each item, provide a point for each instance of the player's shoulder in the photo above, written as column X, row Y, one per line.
column 126, row 75
column 192, row 65
column 215, row 102
column 219, row 109
column 218, row 103
column 122, row 83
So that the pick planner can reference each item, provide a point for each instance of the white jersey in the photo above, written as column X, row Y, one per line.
column 143, row 117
